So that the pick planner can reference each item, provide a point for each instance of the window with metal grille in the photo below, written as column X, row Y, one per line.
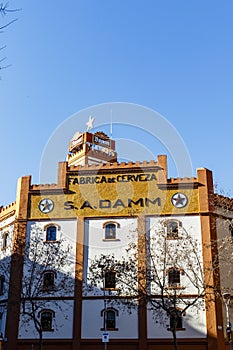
column 173, row 276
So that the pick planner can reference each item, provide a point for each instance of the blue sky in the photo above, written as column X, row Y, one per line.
column 175, row 57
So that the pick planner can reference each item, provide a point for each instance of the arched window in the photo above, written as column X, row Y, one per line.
column 5, row 240
column 176, row 320
column 172, row 228
column 51, row 233
column 2, row 280
column 109, row 319
column 110, row 279
column 110, row 231
column 48, row 280
column 46, row 320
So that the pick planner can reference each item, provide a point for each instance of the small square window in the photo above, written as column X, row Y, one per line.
column 174, row 277
column 172, row 228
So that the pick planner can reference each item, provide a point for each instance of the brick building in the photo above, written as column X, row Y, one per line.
column 92, row 209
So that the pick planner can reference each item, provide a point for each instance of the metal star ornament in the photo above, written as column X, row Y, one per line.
column 179, row 200
column 90, row 123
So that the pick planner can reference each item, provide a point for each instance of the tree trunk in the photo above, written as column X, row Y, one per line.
column 40, row 340
column 175, row 339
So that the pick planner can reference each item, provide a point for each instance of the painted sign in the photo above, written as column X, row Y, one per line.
column 123, row 194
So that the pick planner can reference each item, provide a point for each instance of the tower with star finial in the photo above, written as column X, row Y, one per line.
column 91, row 148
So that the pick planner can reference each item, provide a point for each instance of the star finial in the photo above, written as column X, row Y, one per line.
column 90, row 123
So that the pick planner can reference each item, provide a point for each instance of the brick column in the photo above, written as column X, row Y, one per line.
column 16, row 267
column 78, row 285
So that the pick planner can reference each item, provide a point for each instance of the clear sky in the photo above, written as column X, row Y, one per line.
column 173, row 56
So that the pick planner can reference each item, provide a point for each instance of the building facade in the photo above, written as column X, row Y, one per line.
column 52, row 234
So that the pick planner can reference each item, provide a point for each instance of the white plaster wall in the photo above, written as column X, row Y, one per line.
column 6, row 226
column 194, row 323
column 64, row 286
column 191, row 224
column 92, row 321
column 67, row 233
column 95, row 245
column 5, row 255
column 62, row 322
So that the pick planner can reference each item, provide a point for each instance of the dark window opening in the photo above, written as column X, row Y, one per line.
column 51, row 233
column 174, row 277
column 46, row 320
column 4, row 240
column 2, row 280
column 176, row 320
column 110, row 280
column 110, row 319
column 231, row 230
column 173, row 228
column 110, row 231
column 48, row 280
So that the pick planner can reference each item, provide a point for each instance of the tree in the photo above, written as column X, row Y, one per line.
column 4, row 10
column 162, row 269
column 47, row 274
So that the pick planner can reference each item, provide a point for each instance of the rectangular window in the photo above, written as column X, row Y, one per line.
column 46, row 320
column 173, row 277
column 48, row 280
column 110, row 231
column 110, row 280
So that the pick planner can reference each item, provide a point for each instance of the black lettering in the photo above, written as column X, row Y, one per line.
column 156, row 200
column 142, row 177
column 124, row 178
column 86, row 204
column 88, row 180
column 82, row 180
column 69, row 205
column 118, row 203
column 75, row 181
column 104, row 203
column 103, row 179
column 153, row 177
column 138, row 202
